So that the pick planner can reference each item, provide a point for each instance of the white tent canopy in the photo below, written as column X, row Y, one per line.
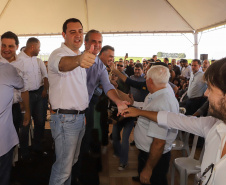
column 46, row 17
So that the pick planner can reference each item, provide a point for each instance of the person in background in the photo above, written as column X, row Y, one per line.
column 196, row 89
column 205, row 65
column 38, row 86
column 130, row 68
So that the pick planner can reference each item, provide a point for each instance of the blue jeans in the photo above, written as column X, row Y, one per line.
column 122, row 149
column 67, row 131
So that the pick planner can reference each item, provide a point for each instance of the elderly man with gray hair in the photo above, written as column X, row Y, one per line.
column 153, row 141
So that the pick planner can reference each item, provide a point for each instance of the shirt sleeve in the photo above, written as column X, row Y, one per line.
column 198, row 126
column 17, row 81
column 138, row 104
column 105, row 82
column 136, row 84
column 42, row 68
column 155, row 130
column 54, row 60
column 20, row 67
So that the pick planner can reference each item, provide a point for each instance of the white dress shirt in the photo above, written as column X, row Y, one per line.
column 186, row 72
column 35, row 70
column 67, row 90
column 146, row 129
column 214, row 132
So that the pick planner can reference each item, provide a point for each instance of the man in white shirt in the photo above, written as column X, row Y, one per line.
column 36, row 71
column 153, row 141
column 9, row 79
column 186, row 69
column 212, row 128
column 9, row 45
column 69, row 98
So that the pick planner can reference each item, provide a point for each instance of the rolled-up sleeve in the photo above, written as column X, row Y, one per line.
column 54, row 60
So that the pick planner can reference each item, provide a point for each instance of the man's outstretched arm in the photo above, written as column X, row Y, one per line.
column 133, row 112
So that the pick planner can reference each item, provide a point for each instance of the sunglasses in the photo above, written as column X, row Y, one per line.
column 203, row 176
column 119, row 65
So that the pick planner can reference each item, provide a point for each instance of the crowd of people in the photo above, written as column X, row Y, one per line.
column 79, row 83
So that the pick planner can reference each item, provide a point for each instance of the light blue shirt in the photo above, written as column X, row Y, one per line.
column 197, row 85
column 97, row 74
column 9, row 79
column 146, row 129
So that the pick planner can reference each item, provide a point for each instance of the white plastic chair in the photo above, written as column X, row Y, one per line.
column 187, row 165
column 182, row 143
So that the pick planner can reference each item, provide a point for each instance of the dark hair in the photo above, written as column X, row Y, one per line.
column 160, row 63
column 151, row 60
column 197, row 60
column 89, row 33
column 154, row 56
column 22, row 48
column 32, row 40
column 216, row 74
column 10, row 35
column 184, row 61
column 105, row 48
column 158, row 60
column 139, row 65
column 166, row 59
column 68, row 21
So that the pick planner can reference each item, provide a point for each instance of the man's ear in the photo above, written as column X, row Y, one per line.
column 150, row 81
column 64, row 34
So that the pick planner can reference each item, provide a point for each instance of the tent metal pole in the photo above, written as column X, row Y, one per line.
column 195, row 45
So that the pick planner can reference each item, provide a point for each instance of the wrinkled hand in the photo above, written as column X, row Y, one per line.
column 121, row 106
column 130, row 112
column 145, row 175
column 87, row 59
column 44, row 93
column 27, row 118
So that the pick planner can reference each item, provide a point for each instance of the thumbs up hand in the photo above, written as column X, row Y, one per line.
column 87, row 59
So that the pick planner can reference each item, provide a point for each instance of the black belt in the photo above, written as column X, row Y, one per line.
column 65, row 111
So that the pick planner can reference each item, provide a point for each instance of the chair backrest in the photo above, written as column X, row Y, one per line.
column 193, row 149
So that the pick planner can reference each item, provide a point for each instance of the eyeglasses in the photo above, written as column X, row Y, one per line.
column 203, row 177
column 118, row 65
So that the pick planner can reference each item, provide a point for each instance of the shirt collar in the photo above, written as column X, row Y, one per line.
column 22, row 53
column 157, row 93
column 68, row 50
column 199, row 71
column 221, row 128
column 97, row 59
